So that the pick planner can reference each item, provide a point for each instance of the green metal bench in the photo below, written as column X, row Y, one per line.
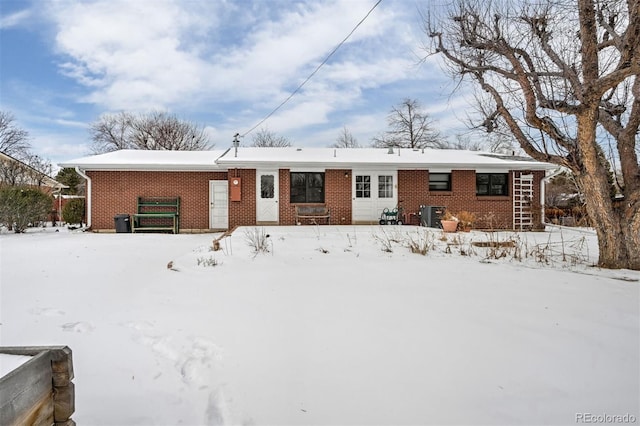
column 157, row 214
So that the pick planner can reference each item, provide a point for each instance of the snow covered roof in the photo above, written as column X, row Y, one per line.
column 379, row 158
column 310, row 158
column 137, row 159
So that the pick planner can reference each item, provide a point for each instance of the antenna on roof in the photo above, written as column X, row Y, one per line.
column 236, row 142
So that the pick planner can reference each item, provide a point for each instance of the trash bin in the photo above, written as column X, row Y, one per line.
column 123, row 223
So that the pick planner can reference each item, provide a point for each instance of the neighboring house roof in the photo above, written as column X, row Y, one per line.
column 45, row 180
column 306, row 158
column 378, row 158
column 137, row 159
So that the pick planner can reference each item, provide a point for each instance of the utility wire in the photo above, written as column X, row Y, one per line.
column 314, row 71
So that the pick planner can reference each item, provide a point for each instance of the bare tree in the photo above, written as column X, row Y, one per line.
column 345, row 140
column 409, row 127
column 266, row 138
column 38, row 169
column 159, row 130
column 503, row 143
column 31, row 170
column 20, row 167
column 464, row 142
column 11, row 172
column 112, row 132
column 152, row 131
column 555, row 72
column 14, row 141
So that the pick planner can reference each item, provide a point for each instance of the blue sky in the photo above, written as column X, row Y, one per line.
column 224, row 65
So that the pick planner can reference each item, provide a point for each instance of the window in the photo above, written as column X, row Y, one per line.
column 307, row 187
column 439, row 181
column 267, row 186
column 363, row 186
column 385, row 186
column 491, row 184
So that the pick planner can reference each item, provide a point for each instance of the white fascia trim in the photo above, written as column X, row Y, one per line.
column 311, row 166
column 145, row 168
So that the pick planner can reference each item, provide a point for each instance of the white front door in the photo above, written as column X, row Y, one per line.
column 218, row 204
column 267, row 196
column 372, row 192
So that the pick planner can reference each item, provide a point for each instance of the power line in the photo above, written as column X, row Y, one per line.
column 314, row 71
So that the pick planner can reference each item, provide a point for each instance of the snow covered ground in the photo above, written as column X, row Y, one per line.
column 334, row 325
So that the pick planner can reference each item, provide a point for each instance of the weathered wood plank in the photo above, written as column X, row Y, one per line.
column 64, row 402
column 41, row 414
column 25, row 387
column 62, row 366
column 33, row 350
column 40, row 391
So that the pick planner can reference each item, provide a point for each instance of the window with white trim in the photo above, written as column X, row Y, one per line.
column 363, row 186
column 385, row 186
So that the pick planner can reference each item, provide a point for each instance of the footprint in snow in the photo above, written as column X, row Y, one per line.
column 48, row 312
column 77, row 327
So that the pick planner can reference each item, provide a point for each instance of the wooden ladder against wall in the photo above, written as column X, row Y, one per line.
column 522, row 197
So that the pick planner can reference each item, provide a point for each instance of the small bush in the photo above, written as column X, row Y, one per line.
column 73, row 211
column 207, row 261
column 257, row 239
column 22, row 207
column 500, row 246
column 385, row 240
column 467, row 219
column 422, row 242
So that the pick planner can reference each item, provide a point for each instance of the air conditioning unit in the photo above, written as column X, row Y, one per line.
column 430, row 216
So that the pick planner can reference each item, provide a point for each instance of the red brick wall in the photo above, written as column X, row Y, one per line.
column 117, row 192
column 337, row 196
column 287, row 210
column 243, row 212
column 491, row 211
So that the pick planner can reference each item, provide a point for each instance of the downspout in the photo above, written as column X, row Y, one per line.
column 87, row 196
column 542, row 193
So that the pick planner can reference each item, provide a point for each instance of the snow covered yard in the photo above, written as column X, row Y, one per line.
column 335, row 325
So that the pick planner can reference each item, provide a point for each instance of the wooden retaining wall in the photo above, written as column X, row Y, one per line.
column 40, row 391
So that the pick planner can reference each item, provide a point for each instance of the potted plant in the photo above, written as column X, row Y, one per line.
column 466, row 220
column 449, row 222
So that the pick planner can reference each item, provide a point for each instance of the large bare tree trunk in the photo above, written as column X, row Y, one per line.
column 556, row 75
column 592, row 179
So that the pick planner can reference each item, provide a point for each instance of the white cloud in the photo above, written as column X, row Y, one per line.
column 154, row 54
column 232, row 63
column 131, row 55
column 16, row 19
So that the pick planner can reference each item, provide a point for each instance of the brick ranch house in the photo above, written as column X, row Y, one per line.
column 252, row 186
